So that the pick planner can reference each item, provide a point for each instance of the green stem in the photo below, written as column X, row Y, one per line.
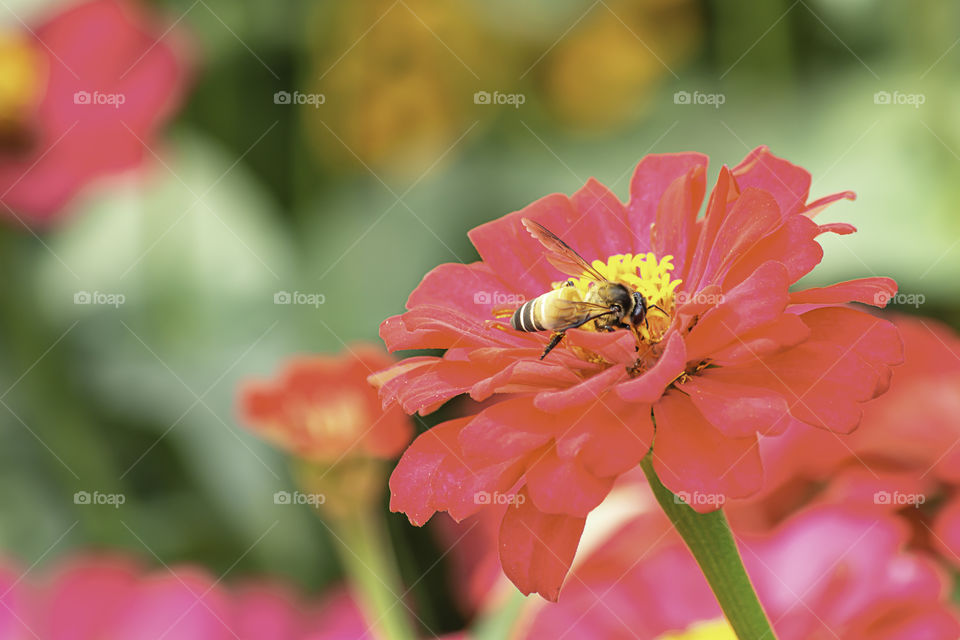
column 500, row 621
column 709, row 538
column 367, row 555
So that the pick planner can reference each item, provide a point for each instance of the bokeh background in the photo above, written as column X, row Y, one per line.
column 417, row 120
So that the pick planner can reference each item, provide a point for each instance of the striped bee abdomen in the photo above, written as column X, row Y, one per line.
column 526, row 317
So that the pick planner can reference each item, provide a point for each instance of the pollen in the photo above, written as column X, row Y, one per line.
column 643, row 273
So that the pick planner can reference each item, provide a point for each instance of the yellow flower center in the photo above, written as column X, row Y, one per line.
column 710, row 630
column 338, row 418
column 642, row 273
column 21, row 82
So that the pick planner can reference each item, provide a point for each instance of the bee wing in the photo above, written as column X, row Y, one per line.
column 574, row 313
column 560, row 254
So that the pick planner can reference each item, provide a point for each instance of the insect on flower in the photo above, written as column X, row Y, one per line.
column 609, row 305
column 720, row 350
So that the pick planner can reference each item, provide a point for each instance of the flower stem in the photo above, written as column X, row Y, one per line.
column 710, row 540
column 366, row 552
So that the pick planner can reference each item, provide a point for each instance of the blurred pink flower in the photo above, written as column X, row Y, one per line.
column 825, row 573
column 905, row 459
column 96, row 597
column 85, row 93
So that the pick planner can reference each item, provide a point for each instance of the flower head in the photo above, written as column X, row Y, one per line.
column 904, row 459
column 71, row 112
column 825, row 573
column 92, row 597
column 322, row 409
column 729, row 353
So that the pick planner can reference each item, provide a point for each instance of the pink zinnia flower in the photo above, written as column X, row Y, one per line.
column 826, row 573
column 726, row 352
column 904, row 459
column 84, row 95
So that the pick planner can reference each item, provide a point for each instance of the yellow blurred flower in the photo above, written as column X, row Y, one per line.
column 601, row 74
column 398, row 79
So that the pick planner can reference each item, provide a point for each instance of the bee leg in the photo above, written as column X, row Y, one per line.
column 554, row 341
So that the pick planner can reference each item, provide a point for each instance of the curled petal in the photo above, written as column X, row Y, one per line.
column 536, row 548
column 433, row 475
column 675, row 230
column 649, row 386
column 789, row 184
column 758, row 300
column 753, row 216
column 873, row 291
column 651, row 179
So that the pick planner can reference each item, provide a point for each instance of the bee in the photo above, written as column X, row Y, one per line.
column 609, row 305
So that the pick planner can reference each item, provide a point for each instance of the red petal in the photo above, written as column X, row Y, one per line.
column 675, row 230
column 439, row 327
column 839, row 228
column 423, row 384
column 564, row 485
column 651, row 179
column 586, row 392
column 794, row 244
column 753, row 215
column 786, row 331
column 649, row 386
column 758, row 300
column 470, row 288
column 594, row 223
column 872, row 291
column 536, row 548
column 691, row 456
column 823, row 383
column 737, row 411
column 723, row 194
column 521, row 376
column 789, row 184
column 874, row 339
column 506, row 431
column 610, row 438
column 817, row 206
column 601, row 214
column 514, row 255
column 433, row 475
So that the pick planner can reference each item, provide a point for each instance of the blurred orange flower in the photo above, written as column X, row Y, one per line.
column 321, row 408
